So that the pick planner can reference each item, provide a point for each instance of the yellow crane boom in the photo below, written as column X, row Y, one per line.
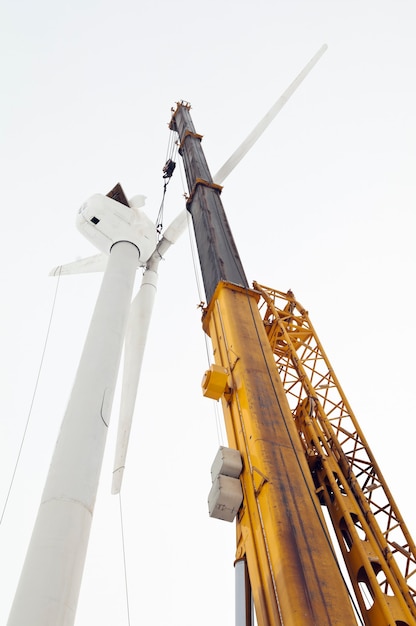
column 300, row 445
column 294, row 576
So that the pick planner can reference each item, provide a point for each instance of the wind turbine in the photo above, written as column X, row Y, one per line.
column 48, row 589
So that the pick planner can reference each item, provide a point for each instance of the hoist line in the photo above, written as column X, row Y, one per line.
column 171, row 143
column 171, row 152
column 29, row 415
column 159, row 219
column 123, row 548
column 201, row 296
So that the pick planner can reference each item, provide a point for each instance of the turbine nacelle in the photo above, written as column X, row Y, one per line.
column 104, row 222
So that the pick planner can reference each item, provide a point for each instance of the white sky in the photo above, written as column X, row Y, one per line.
column 324, row 205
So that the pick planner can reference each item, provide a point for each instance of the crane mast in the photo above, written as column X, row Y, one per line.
column 300, row 444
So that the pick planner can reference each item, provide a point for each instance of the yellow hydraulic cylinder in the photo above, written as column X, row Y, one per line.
column 293, row 570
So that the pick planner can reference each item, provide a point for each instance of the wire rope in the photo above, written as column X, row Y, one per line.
column 168, row 170
column 32, row 402
column 123, row 547
column 201, row 296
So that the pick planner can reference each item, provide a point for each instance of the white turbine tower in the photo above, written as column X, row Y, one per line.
column 48, row 589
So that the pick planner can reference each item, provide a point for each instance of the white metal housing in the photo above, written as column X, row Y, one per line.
column 104, row 221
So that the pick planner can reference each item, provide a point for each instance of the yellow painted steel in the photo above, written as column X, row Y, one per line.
column 214, row 382
column 281, row 530
column 376, row 545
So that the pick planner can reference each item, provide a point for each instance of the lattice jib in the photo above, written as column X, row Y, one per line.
column 306, row 373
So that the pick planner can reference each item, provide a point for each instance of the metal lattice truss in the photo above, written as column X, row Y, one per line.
column 309, row 381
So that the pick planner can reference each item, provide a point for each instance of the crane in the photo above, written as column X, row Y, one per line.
column 300, row 445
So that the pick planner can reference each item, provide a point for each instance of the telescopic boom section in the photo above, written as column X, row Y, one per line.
column 281, row 532
column 218, row 254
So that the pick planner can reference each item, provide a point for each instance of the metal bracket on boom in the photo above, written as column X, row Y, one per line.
column 214, row 384
column 189, row 133
column 204, row 183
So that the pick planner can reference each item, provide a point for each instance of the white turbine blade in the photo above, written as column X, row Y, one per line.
column 249, row 142
column 142, row 306
column 96, row 263
column 135, row 343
